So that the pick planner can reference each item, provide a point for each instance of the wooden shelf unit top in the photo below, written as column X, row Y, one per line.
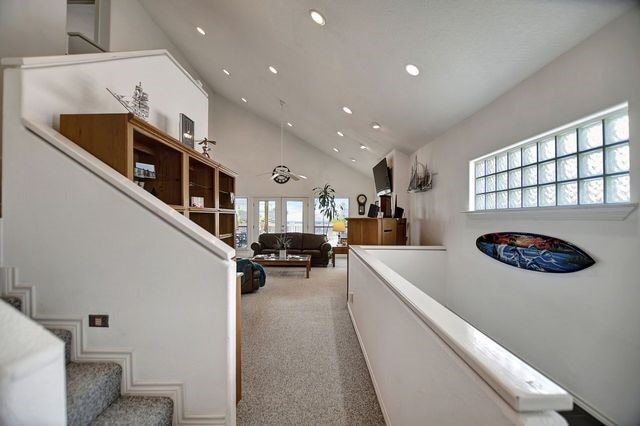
column 121, row 140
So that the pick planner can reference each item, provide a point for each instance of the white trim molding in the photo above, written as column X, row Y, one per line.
column 53, row 61
column 611, row 212
column 10, row 286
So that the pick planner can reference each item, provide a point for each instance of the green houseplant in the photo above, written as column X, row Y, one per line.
column 282, row 244
column 326, row 202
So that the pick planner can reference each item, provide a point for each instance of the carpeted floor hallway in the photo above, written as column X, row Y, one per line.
column 302, row 364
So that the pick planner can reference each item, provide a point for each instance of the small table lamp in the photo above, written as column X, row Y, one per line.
column 339, row 227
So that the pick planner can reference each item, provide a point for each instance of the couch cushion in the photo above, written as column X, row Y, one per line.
column 313, row 241
column 311, row 252
column 268, row 241
column 296, row 239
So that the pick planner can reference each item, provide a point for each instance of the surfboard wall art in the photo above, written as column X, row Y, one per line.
column 534, row 252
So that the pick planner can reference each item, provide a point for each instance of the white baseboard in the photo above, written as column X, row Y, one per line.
column 9, row 286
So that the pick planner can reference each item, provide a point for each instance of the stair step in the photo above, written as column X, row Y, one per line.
column 16, row 302
column 138, row 410
column 91, row 388
column 65, row 336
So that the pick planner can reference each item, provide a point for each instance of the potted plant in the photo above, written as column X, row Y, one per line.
column 282, row 244
column 326, row 202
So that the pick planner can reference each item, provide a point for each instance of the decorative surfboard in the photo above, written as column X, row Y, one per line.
column 534, row 252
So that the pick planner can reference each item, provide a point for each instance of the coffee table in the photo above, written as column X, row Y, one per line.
column 303, row 260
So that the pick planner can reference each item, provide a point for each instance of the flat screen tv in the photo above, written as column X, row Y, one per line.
column 382, row 178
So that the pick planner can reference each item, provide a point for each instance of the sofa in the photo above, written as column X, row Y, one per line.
column 311, row 244
column 253, row 276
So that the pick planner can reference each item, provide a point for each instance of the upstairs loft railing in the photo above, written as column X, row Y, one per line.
column 78, row 43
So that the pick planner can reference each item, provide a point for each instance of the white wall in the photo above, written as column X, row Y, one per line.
column 31, row 28
column 131, row 28
column 81, row 18
column 250, row 145
column 421, row 266
column 581, row 328
column 87, row 248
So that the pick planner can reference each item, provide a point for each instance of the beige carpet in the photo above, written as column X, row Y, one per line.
column 302, row 364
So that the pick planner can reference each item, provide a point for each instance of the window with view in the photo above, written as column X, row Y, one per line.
column 320, row 223
column 584, row 163
column 241, row 223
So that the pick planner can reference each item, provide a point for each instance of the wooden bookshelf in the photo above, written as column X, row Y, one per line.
column 123, row 140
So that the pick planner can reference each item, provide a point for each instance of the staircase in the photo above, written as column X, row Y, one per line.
column 93, row 392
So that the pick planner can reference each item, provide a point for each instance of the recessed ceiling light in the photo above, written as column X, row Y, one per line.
column 272, row 69
column 412, row 70
column 375, row 125
column 353, row 160
column 317, row 17
column 200, row 30
column 224, row 70
column 363, row 147
column 340, row 133
column 336, row 149
column 289, row 124
column 244, row 100
column 347, row 110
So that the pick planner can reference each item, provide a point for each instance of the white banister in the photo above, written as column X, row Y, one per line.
column 131, row 190
column 524, row 389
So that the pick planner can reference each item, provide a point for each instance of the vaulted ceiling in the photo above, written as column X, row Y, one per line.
column 469, row 52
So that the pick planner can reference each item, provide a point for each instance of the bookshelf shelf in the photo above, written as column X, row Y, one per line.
column 125, row 142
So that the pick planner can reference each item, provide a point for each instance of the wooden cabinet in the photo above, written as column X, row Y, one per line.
column 372, row 231
column 123, row 141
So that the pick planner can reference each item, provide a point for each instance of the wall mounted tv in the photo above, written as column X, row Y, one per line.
column 382, row 178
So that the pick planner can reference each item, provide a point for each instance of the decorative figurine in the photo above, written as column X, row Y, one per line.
column 139, row 103
column 204, row 143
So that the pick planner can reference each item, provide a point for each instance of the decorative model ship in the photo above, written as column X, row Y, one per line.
column 421, row 178
column 139, row 103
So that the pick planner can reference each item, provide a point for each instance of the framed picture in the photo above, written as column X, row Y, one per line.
column 187, row 130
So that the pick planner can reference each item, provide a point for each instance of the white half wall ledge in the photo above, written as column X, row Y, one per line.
column 600, row 212
column 130, row 190
column 521, row 386
column 52, row 61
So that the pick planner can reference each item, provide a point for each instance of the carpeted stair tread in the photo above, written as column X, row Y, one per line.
column 65, row 336
column 137, row 410
column 13, row 301
column 91, row 388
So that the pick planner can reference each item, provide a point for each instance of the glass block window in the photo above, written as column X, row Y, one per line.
column 584, row 163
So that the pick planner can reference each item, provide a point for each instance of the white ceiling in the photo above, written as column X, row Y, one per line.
column 469, row 52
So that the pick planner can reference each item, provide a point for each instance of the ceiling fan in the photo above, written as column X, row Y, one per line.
column 282, row 174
